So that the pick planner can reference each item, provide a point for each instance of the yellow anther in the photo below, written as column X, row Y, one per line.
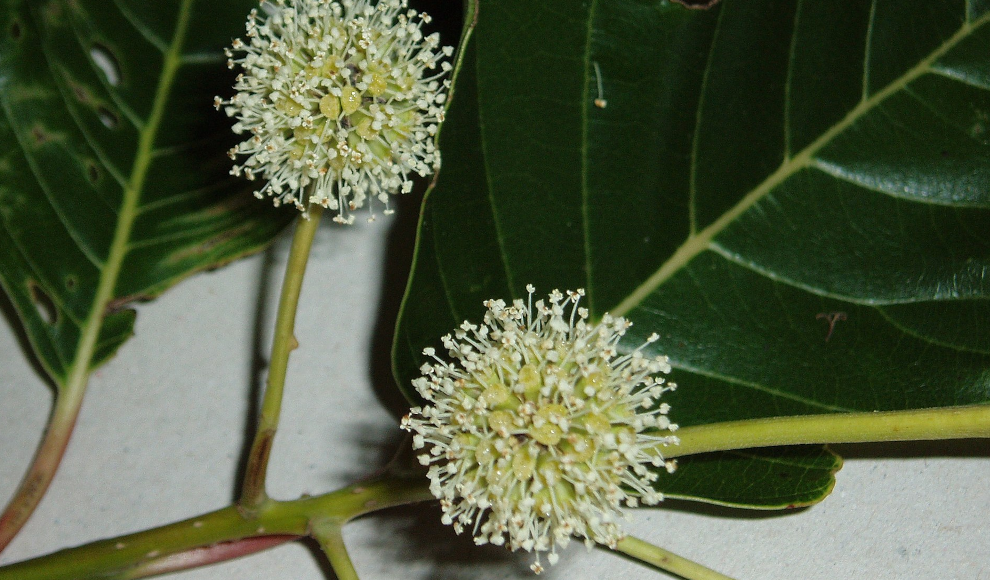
column 330, row 106
column 350, row 99
column 496, row 394
column 289, row 106
column 485, row 452
column 596, row 423
column 500, row 422
column 377, row 86
column 579, row 448
column 549, row 472
column 553, row 413
column 524, row 463
column 531, row 382
column 364, row 129
column 547, row 433
column 498, row 472
column 590, row 384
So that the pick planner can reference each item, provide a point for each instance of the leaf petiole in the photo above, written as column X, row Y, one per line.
column 914, row 425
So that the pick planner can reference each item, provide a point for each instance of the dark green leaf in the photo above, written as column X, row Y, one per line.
column 113, row 173
column 794, row 195
column 786, row 477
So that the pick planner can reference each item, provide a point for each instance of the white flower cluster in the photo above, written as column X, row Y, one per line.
column 539, row 430
column 337, row 101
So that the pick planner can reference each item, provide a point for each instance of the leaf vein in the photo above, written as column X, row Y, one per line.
column 698, row 242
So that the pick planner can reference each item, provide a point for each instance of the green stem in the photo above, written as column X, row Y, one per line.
column 253, row 493
column 216, row 536
column 331, row 540
column 646, row 552
column 922, row 424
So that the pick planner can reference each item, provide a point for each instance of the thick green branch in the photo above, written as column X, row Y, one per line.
column 253, row 489
column 915, row 425
column 217, row 536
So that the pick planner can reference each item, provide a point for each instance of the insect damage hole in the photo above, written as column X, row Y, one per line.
column 109, row 119
column 92, row 172
column 43, row 303
column 106, row 62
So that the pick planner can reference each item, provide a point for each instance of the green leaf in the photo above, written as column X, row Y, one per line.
column 787, row 477
column 794, row 195
column 113, row 173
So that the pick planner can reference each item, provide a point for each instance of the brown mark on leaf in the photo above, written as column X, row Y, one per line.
column 92, row 172
column 120, row 304
column 39, row 135
column 15, row 30
column 205, row 246
column 831, row 318
column 80, row 92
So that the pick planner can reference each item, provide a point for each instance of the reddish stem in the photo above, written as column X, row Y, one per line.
column 41, row 472
column 210, row 555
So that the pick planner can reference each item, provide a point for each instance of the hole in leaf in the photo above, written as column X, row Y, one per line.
column 44, row 303
column 15, row 30
column 108, row 117
column 106, row 62
column 92, row 172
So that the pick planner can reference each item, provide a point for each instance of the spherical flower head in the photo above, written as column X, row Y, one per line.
column 340, row 101
column 539, row 431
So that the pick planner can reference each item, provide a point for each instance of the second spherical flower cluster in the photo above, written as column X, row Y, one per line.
column 539, row 430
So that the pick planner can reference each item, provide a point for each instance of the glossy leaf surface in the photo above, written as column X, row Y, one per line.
column 794, row 195
column 113, row 173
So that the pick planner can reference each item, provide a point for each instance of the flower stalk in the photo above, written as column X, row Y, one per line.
column 665, row 560
column 284, row 342
column 331, row 541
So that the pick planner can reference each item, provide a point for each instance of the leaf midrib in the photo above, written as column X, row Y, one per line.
column 699, row 242
column 79, row 371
